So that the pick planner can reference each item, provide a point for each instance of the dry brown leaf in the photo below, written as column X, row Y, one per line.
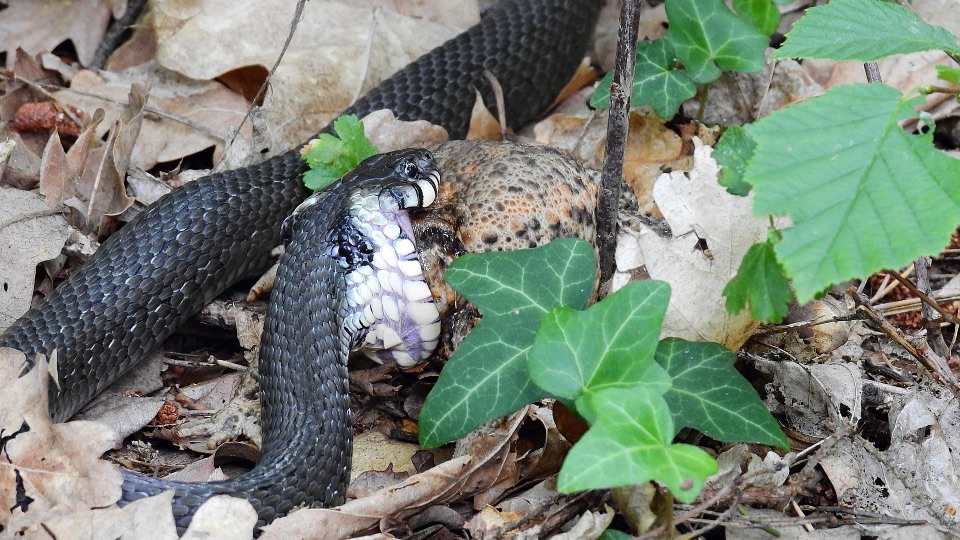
column 125, row 413
column 38, row 26
column 738, row 98
column 338, row 53
column 374, row 451
column 48, row 469
column 483, row 463
column 30, row 233
column 91, row 179
column 361, row 515
column 186, row 116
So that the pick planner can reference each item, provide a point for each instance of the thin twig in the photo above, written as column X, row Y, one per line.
column 804, row 324
column 920, row 294
column 263, row 87
column 886, row 286
column 873, row 72
column 930, row 311
column 618, row 122
column 912, row 304
column 921, row 355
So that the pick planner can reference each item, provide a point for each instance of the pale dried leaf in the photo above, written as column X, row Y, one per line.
column 150, row 518
column 817, row 398
column 222, row 516
column 37, row 26
column 388, row 133
column 589, row 526
column 29, row 234
column 326, row 67
column 696, row 207
column 374, row 451
column 123, row 412
column 48, row 468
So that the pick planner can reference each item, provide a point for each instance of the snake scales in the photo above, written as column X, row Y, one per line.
column 188, row 247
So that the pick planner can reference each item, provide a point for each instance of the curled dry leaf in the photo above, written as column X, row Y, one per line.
column 91, row 179
column 30, row 233
column 47, row 469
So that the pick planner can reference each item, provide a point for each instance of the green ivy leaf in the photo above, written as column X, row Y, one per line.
column 330, row 157
column 732, row 152
column 863, row 194
column 708, row 37
column 862, row 30
column 710, row 395
column 949, row 74
column 613, row 534
column 629, row 444
column 657, row 81
column 761, row 282
column 488, row 376
column 761, row 13
column 612, row 344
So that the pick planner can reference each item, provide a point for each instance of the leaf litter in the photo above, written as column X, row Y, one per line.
column 821, row 391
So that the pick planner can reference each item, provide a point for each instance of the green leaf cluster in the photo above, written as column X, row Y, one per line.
column 536, row 340
column 863, row 194
column 704, row 37
column 331, row 157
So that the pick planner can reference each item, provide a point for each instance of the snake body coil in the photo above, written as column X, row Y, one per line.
column 189, row 246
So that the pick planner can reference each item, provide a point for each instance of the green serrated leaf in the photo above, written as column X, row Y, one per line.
column 732, row 152
column 863, row 194
column 761, row 283
column 949, row 74
column 710, row 395
column 708, row 37
column 488, row 374
column 330, row 157
column 761, row 13
column 630, row 444
column 657, row 81
column 609, row 345
column 862, row 30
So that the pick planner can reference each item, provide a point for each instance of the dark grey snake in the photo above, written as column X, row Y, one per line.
column 188, row 247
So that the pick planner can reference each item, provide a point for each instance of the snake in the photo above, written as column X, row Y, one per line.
column 334, row 293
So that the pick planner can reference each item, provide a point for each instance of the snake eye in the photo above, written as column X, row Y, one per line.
column 410, row 170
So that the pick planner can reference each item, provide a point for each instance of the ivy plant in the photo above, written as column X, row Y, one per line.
column 537, row 339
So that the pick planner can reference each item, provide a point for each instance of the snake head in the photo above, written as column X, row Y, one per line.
column 413, row 183
column 398, row 180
